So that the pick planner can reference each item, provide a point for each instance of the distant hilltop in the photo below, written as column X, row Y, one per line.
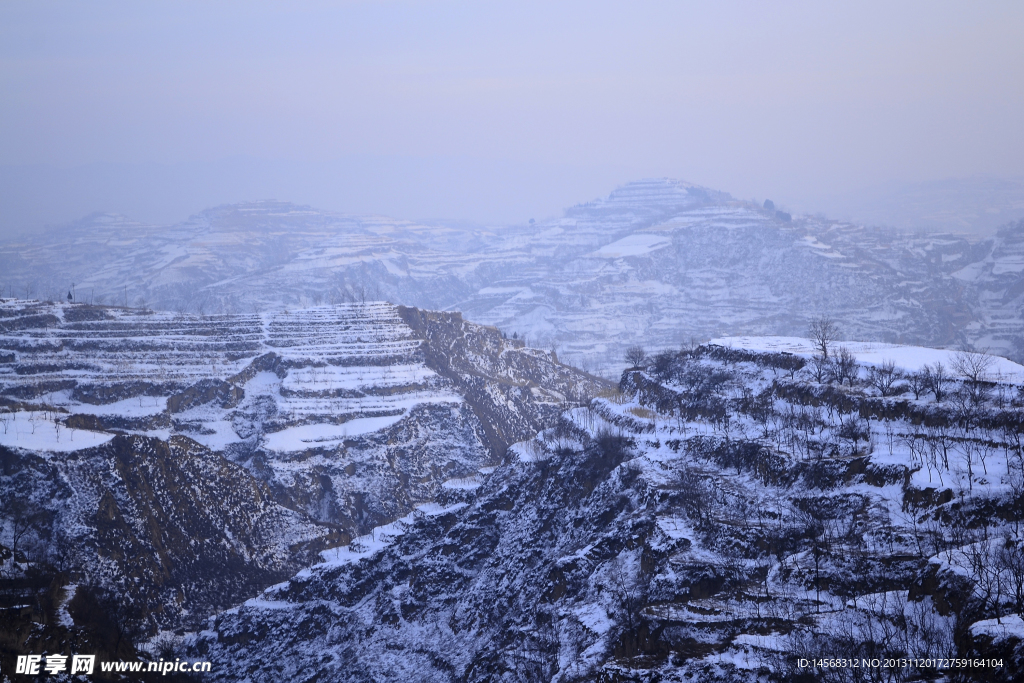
column 658, row 262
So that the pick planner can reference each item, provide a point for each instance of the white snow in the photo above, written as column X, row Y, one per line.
column 355, row 377
column 464, row 483
column 261, row 603
column 674, row 527
column 971, row 272
column 129, row 407
column 910, row 358
column 380, row 538
column 1011, row 626
column 305, row 436
column 1008, row 265
column 36, row 431
column 823, row 249
column 594, row 617
column 633, row 245
column 528, row 451
column 222, row 435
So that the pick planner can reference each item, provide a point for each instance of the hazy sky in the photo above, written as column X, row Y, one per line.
column 494, row 111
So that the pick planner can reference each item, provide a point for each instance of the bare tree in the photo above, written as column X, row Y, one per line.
column 761, row 407
column 823, row 332
column 820, row 367
column 630, row 591
column 636, row 356
column 116, row 619
column 24, row 516
column 938, row 379
column 884, row 378
column 843, row 367
column 972, row 366
column 1010, row 557
column 918, row 382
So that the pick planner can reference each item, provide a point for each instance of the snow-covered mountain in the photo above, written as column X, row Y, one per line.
column 180, row 463
column 996, row 280
column 725, row 517
column 370, row 492
column 657, row 262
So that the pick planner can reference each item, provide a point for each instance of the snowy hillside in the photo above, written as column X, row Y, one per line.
column 657, row 262
column 725, row 516
column 370, row 492
column 174, row 464
column 905, row 357
column 997, row 281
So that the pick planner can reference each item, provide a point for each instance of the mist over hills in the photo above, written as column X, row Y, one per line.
column 283, row 476
column 657, row 262
column 973, row 206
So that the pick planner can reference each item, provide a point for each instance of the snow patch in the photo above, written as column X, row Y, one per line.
column 632, row 245
column 306, row 436
column 594, row 617
column 35, row 432
column 1008, row 627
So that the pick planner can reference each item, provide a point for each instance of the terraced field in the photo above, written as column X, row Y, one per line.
column 334, row 407
column 172, row 465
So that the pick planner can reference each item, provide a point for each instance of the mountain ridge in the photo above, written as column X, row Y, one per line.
column 655, row 263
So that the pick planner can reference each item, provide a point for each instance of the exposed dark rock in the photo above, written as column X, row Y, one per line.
column 224, row 394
